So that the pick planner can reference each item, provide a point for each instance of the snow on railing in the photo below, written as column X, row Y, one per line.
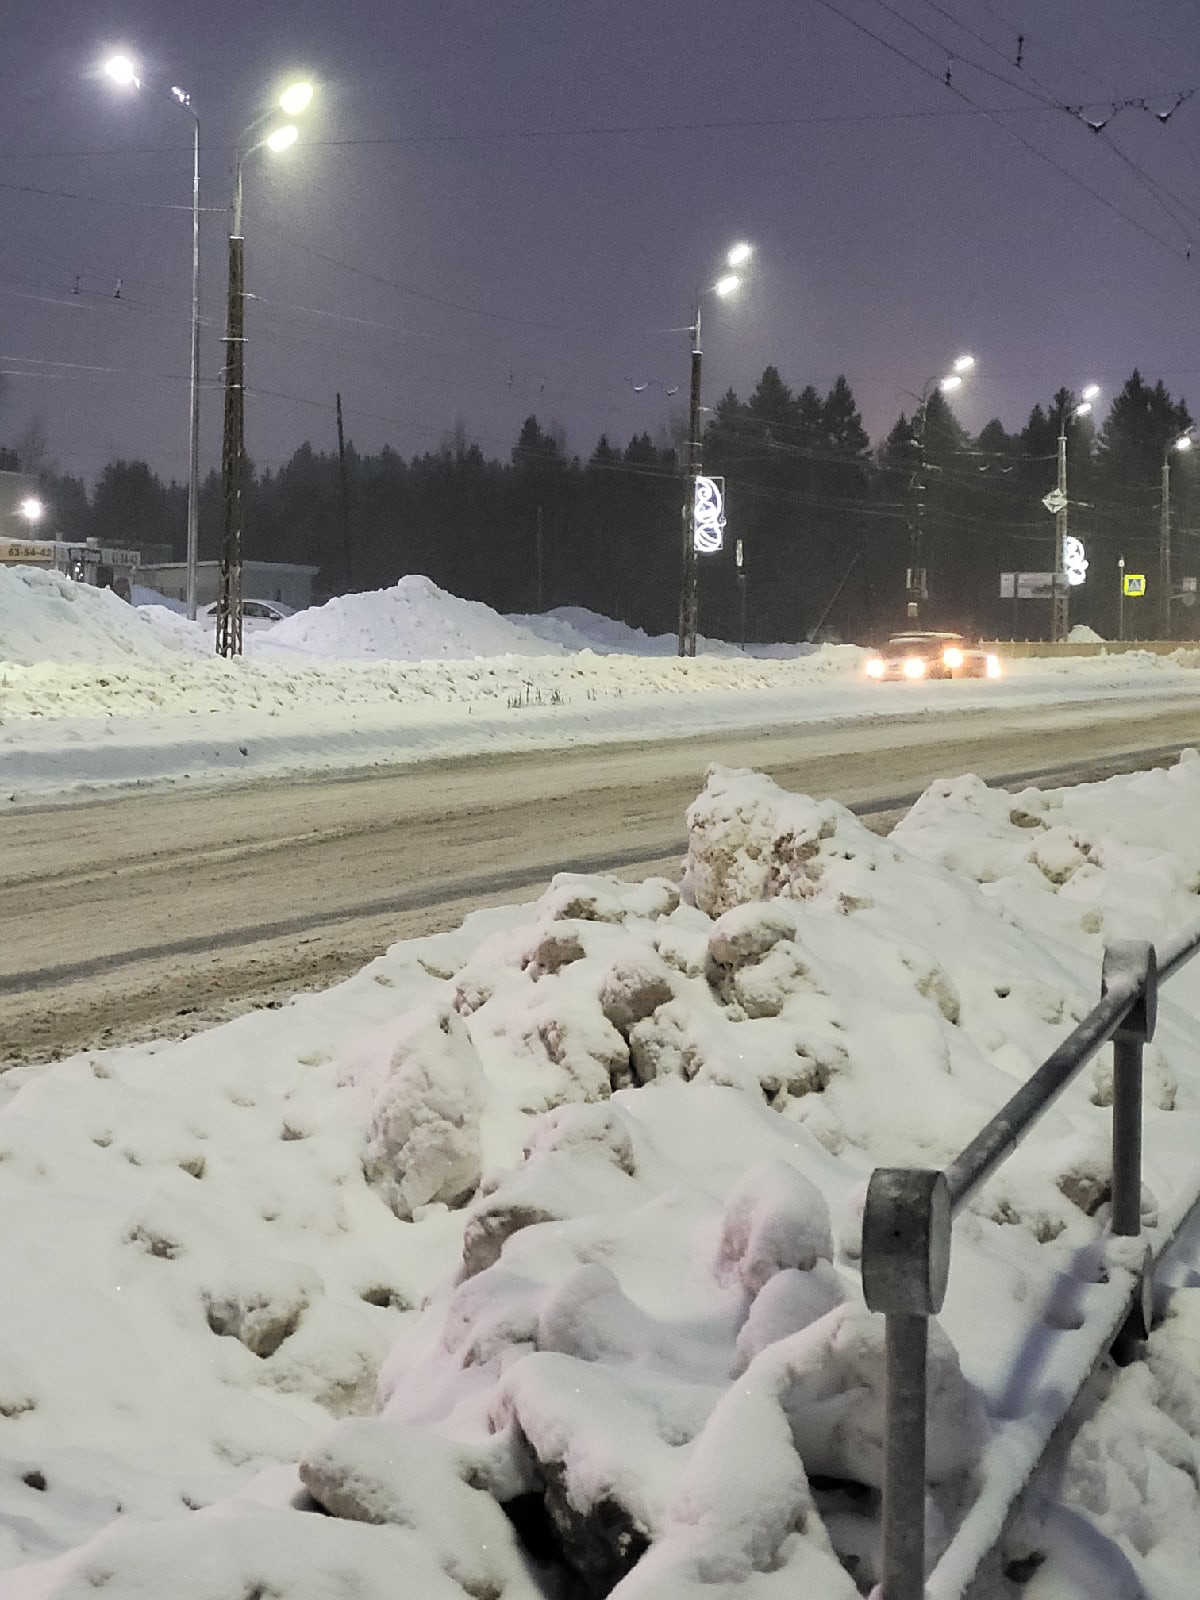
column 909, row 1212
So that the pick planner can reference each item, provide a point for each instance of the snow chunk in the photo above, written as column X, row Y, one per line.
column 774, row 1219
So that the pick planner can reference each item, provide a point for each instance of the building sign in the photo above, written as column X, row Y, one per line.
column 1075, row 560
column 1026, row 586
column 708, row 515
column 1135, row 585
column 29, row 552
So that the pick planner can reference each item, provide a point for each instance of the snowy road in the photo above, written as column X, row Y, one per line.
column 157, row 913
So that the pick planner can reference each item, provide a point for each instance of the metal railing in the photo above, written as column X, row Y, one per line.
column 909, row 1212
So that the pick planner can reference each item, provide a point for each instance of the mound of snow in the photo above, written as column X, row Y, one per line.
column 414, row 620
column 1082, row 634
column 46, row 616
column 576, row 628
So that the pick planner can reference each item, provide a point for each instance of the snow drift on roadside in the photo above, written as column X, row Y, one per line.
column 46, row 616
column 414, row 620
column 613, row 1146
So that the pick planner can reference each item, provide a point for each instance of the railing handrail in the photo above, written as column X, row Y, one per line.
column 909, row 1212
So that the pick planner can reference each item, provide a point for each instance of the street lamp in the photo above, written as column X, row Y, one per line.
column 1183, row 442
column 233, row 443
column 123, row 71
column 1060, row 590
column 916, row 587
column 725, row 285
column 32, row 509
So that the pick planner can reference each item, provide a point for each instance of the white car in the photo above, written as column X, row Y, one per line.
column 257, row 615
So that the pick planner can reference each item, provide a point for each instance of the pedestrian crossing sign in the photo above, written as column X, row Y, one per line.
column 1135, row 584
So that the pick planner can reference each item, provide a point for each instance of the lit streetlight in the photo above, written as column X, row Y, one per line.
column 123, row 71
column 916, row 586
column 1060, row 593
column 1183, row 442
column 32, row 509
column 233, row 445
column 725, row 285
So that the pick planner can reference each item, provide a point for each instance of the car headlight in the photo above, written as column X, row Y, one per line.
column 875, row 668
column 914, row 667
column 993, row 666
column 953, row 658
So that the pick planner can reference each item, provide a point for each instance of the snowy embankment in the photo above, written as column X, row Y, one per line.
column 95, row 693
column 582, row 1183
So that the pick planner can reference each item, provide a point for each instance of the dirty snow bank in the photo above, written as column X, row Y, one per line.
column 45, row 616
column 613, row 1146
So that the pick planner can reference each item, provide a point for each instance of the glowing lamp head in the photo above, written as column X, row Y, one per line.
column 953, row 657
column 283, row 138
column 1092, row 392
column 963, row 364
column 726, row 285
column 32, row 509
column 739, row 255
column 1082, row 409
column 1184, row 442
column 297, row 97
column 121, row 70
column 914, row 667
column 949, row 383
column 875, row 668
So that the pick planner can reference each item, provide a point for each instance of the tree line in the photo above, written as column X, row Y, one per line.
column 826, row 523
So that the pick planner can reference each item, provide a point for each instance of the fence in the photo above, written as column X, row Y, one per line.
column 909, row 1212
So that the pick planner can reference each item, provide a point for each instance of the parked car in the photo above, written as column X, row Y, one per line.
column 256, row 614
column 916, row 656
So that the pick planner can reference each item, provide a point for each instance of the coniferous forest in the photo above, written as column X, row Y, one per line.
column 826, row 523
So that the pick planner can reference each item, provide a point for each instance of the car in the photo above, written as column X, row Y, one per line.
column 256, row 614
column 917, row 656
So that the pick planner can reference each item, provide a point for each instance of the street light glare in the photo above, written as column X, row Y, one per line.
column 1083, row 408
column 739, row 255
column 725, row 286
column 1184, row 442
column 950, row 383
column 32, row 509
column 297, row 97
column 283, row 137
column 964, row 364
column 121, row 70
column 1091, row 392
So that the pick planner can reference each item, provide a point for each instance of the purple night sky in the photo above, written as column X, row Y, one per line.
column 499, row 206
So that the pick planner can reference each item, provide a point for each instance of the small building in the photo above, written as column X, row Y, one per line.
column 285, row 581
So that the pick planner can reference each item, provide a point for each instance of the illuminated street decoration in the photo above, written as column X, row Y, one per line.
column 708, row 515
column 1075, row 563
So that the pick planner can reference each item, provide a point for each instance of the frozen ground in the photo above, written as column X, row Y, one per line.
column 558, row 1214
column 94, row 692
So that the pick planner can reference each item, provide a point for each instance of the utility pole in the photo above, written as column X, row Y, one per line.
column 344, row 482
column 741, row 582
column 688, row 599
column 915, row 586
column 1121, row 597
column 1060, row 602
column 539, row 552
column 1164, row 552
column 233, row 446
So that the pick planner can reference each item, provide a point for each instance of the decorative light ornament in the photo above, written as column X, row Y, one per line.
column 708, row 515
column 1075, row 562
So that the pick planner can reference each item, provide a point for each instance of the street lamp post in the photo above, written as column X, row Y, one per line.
column 1120, row 597
column 1183, row 442
column 689, row 590
column 233, row 440
column 123, row 71
column 1060, row 603
column 916, row 588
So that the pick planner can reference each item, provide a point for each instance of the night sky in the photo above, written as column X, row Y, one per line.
column 500, row 207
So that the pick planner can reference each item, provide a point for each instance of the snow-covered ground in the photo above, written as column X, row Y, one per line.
column 531, row 1251
column 94, row 692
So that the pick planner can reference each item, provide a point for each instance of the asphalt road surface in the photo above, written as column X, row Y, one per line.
column 159, row 913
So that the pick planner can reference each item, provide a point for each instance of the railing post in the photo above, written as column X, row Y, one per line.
column 905, row 1265
column 1131, row 962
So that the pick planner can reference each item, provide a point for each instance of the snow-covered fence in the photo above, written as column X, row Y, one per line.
column 909, row 1213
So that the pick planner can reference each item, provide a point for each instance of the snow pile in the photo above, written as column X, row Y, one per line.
column 614, row 1146
column 1082, row 634
column 46, row 616
column 412, row 621
column 576, row 628
column 145, row 596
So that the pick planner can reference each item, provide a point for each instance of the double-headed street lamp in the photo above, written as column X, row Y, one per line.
column 292, row 101
column 1060, row 600
column 916, row 587
column 688, row 596
column 122, row 70
column 1183, row 442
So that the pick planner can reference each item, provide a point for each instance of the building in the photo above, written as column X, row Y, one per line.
column 285, row 581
